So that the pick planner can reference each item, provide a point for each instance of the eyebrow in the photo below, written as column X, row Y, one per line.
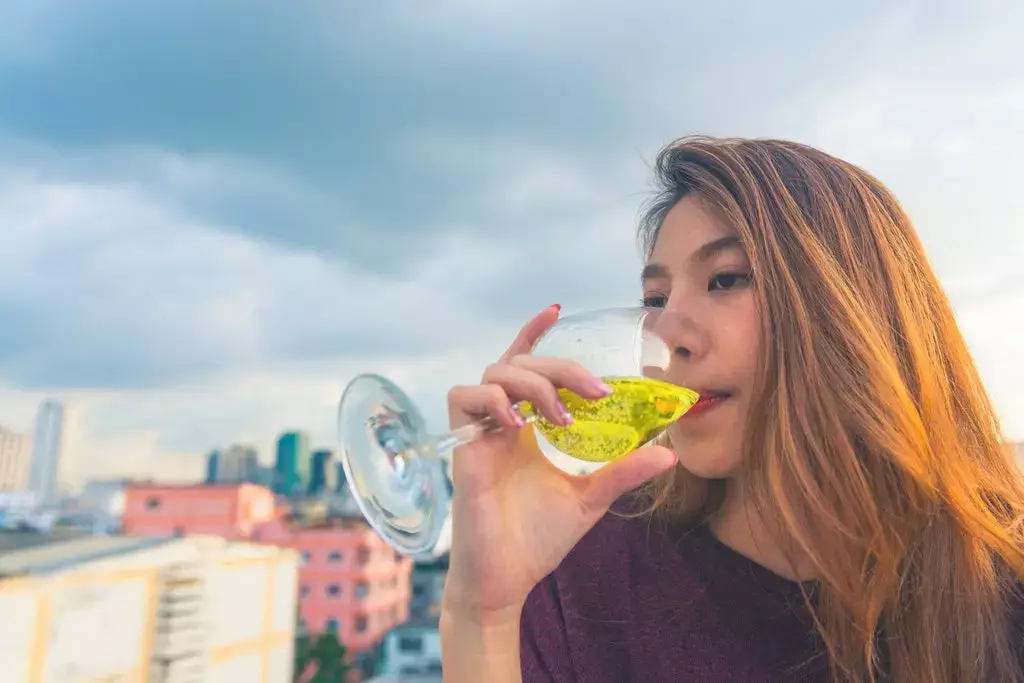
column 704, row 253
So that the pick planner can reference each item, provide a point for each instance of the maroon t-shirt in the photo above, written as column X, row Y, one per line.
column 637, row 601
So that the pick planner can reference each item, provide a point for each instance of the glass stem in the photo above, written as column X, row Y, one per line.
column 460, row 436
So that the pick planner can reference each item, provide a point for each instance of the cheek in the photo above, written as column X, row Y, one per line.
column 740, row 343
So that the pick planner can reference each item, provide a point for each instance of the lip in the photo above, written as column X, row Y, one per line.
column 709, row 400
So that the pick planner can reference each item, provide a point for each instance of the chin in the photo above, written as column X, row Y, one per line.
column 707, row 458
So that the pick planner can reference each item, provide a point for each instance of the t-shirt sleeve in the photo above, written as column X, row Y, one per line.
column 544, row 645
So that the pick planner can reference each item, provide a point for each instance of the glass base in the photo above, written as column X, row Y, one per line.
column 393, row 471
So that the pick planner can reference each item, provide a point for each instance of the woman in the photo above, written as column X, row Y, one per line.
column 841, row 508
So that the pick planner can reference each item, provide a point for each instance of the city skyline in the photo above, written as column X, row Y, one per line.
column 204, row 261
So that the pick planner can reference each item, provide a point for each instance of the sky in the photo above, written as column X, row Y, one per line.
column 216, row 212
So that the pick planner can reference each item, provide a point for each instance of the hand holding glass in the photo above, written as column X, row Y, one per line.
column 399, row 474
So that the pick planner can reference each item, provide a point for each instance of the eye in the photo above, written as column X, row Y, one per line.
column 727, row 281
column 654, row 301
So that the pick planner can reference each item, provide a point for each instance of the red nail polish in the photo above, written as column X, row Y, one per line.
column 557, row 307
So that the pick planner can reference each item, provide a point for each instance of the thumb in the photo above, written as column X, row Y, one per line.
column 611, row 481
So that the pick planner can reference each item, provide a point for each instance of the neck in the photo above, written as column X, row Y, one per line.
column 741, row 528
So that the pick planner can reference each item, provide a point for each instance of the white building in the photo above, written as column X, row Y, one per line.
column 15, row 456
column 101, row 504
column 115, row 609
column 413, row 648
column 233, row 465
column 55, row 436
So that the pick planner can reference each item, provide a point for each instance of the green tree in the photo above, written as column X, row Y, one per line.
column 302, row 659
column 329, row 655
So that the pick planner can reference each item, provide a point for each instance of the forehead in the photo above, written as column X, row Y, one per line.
column 687, row 227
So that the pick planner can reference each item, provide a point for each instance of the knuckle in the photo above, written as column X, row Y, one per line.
column 520, row 359
column 456, row 395
column 492, row 371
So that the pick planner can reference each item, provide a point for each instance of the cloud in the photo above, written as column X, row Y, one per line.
column 216, row 213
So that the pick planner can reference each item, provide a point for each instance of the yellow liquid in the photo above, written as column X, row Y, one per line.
column 608, row 428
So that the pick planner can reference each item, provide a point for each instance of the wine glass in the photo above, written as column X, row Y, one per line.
column 398, row 473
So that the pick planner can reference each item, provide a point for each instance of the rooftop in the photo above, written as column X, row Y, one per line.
column 12, row 540
column 428, row 622
column 60, row 551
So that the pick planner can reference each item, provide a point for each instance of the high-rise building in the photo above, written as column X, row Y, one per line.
column 322, row 473
column 55, row 436
column 291, row 466
column 212, row 466
column 233, row 465
column 15, row 456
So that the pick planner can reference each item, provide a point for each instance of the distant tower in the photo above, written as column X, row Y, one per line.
column 233, row 465
column 291, row 466
column 212, row 466
column 322, row 473
column 56, row 432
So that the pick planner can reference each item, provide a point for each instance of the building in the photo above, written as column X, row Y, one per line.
column 291, row 465
column 350, row 581
column 230, row 511
column 322, row 473
column 413, row 648
column 55, row 435
column 188, row 610
column 21, row 510
column 427, row 588
column 15, row 456
column 232, row 465
column 101, row 504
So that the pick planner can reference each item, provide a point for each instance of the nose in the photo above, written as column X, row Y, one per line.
column 680, row 331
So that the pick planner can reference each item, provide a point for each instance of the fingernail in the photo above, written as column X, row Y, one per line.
column 603, row 388
column 516, row 417
column 564, row 412
column 557, row 307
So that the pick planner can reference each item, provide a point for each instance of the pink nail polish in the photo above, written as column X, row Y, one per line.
column 565, row 414
column 516, row 417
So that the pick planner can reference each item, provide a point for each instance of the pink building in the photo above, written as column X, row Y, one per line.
column 231, row 511
column 349, row 581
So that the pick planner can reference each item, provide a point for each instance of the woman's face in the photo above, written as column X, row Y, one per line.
column 700, row 276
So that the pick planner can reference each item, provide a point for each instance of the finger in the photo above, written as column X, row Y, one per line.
column 469, row 403
column 521, row 384
column 532, row 331
column 564, row 373
column 606, row 485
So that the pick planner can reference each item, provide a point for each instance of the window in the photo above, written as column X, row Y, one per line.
column 334, row 590
column 364, row 556
column 304, row 590
column 332, row 626
column 335, row 557
column 152, row 503
column 302, row 626
column 361, row 590
column 360, row 624
column 306, row 557
column 410, row 643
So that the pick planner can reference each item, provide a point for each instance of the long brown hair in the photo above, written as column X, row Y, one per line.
column 872, row 447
